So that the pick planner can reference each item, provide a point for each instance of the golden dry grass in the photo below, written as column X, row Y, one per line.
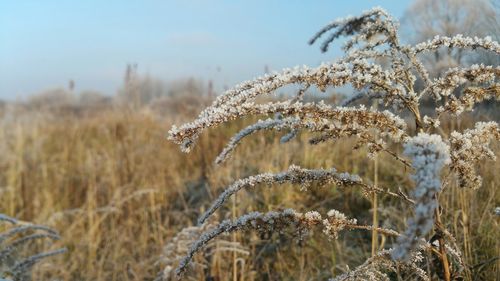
column 118, row 191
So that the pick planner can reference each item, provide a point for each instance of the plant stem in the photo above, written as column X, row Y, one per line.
column 235, row 263
column 375, row 217
column 442, row 250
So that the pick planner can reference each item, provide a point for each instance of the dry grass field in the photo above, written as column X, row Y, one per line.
column 118, row 192
column 383, row 152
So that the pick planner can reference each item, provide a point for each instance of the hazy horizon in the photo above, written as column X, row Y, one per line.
column 47, row 44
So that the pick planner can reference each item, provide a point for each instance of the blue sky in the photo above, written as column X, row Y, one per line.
column 44, row 44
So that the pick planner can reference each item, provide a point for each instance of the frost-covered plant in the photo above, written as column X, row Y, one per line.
column 177, row 248
column 378, row 67
column 15, row 264
column 429, row 154
column 469, row 147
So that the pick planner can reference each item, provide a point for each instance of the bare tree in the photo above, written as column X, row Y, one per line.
column 426, row 19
